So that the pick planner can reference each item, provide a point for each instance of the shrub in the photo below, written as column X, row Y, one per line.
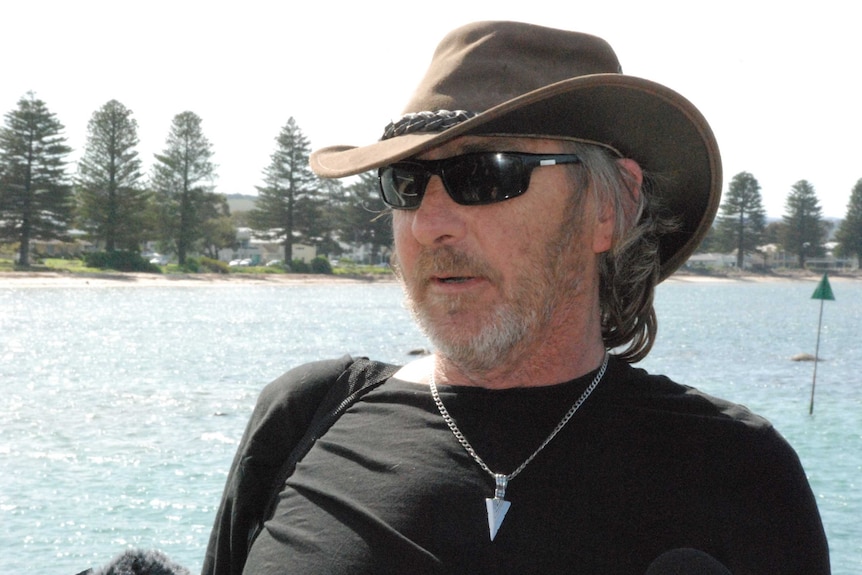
column 215, row 266
column 123, row 261
column 299, row 267
column 321, row 265
column 191, row 266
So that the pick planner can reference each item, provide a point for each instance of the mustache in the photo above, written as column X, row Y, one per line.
column 447, row 261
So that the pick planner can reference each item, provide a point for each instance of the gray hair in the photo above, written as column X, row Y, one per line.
column 629, row 271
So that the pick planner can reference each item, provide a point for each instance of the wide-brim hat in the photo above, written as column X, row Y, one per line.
column 510, row 78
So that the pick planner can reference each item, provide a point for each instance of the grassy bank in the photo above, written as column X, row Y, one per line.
column 76, row 266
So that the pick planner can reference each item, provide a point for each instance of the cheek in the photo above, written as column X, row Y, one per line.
column 400, row 224
column 402, row 234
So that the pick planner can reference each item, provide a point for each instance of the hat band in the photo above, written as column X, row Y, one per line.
column 426, row 122
column 431, row 122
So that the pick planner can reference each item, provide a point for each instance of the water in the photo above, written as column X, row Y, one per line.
column 122, row 407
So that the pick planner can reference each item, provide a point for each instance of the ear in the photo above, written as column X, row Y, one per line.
column 603, row 238
column 635, row 175
column 603, row 233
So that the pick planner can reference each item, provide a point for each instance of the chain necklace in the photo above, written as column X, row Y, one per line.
column 498, row 506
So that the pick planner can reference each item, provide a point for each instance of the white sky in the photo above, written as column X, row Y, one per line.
column 779, row 84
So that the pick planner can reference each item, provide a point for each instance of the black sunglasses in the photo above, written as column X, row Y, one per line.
column 469, row 179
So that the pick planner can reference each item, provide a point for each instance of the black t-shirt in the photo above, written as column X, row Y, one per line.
column 644, row 466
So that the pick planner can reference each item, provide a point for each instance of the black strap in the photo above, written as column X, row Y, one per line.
column 361, row 377
column 292, row 413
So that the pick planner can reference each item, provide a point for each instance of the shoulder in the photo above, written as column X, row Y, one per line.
column 663, row 414
column 735, row 457
column 303, row 379
column 307, row 384
column 635, row 390
column 303, row 385
column 286, row 406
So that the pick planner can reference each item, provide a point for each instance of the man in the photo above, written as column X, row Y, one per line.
column 538, row 195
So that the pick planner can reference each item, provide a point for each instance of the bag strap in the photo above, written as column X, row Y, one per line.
column 359, row 378
column 290, row 414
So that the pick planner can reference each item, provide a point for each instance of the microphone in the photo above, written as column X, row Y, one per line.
column 140, row 562
column 686, row 562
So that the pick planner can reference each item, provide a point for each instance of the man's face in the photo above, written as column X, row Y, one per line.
column 493, row 282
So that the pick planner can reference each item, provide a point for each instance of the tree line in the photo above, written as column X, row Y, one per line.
column 741, row 224
column 119, row 207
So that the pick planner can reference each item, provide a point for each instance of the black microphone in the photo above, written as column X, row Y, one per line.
column 686, row 562
column 140, row 562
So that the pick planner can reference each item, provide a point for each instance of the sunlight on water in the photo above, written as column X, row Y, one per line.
column 122, row 407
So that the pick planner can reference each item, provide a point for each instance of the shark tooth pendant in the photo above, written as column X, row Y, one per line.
column 498, row 506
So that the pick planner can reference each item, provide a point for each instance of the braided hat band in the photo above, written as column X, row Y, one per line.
column 425, row 122
column 435, row 122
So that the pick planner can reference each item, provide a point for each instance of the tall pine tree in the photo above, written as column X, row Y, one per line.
column 218, row 230
column 803, row 229
column 742, row 219
column 112, row 199
column 35, row 195
column 849, row 233
column 366, row 221
column 182, row 180
column 286, row 205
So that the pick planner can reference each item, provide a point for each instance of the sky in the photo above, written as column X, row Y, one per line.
column 778, row 82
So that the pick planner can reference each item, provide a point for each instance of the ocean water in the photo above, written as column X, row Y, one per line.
column 121, row 407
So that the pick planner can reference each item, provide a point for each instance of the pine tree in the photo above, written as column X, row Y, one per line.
column 217, row 230
column 182, row 179
column 365, row 219
column 803, row 230
column 849, row 233
column 287, row 202
column 318, row 217
column 742, row 220
column 35, row 196
column 112, row 200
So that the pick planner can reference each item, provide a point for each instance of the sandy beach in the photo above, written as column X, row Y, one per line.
column 36, row 279
column 57, row 279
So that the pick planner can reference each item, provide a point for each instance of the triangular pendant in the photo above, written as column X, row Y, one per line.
column 497, row 509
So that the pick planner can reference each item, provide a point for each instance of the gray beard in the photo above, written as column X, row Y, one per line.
column 499, row 338
column 513, row 325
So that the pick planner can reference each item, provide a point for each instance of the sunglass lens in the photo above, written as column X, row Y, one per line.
column 470, row 179
column 402, row 185
column 483, row 178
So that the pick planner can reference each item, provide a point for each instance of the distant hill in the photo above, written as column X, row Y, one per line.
column 241, row 202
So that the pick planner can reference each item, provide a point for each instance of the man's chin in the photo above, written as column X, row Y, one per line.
column 474, row 344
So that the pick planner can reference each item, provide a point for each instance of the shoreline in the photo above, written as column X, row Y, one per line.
column 60, row 279
column 792, row 276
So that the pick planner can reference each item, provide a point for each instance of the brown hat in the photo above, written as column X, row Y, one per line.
column 521, row 79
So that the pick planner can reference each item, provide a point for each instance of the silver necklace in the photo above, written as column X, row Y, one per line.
column 499, row 506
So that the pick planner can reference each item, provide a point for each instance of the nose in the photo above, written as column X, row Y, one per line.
column 438, row 220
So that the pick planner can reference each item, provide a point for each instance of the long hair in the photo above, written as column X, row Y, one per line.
column 629, row 271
